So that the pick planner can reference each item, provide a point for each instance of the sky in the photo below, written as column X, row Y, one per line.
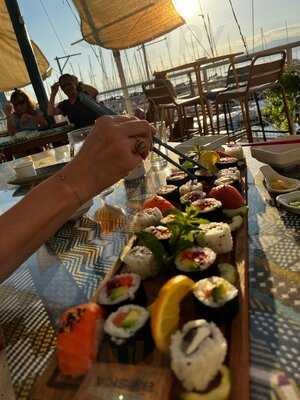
column 53, row 26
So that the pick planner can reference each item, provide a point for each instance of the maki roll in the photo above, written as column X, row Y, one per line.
column 140, row 260
column 227, row 162
column 144, row 218
column 168, row 219
column 204, row 175
column 232, row 172
column 126, row 327
column 169, row 192
column 196, row 261
column 122, row 289
column 162, row 233
column 190, row 186
column 217, row 236
column 197, row 354
column 236, row 151
column 209, row 208
column 217, row 299
column 190, row 197
column 177, row 178
column 228, row 180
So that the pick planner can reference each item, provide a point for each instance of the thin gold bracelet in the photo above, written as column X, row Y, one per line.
column 63, row 179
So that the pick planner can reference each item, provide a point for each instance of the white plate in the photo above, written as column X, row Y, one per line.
column 280, row 155
column 285, row 199
column 210, row 142
column 270, row 174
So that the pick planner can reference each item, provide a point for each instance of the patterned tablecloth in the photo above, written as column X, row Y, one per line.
column 70, row 266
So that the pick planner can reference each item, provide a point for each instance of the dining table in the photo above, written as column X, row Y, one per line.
column 69, row 267
column 26, row 142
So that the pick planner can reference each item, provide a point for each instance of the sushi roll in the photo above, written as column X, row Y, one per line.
column 196, row 262
column 232, row 172
column 228, row 180
column 191, row 154
column 122, row 289
column 177, row 178
column 236, row 151
column 209, row 208
column 190, row 186
column 168, row 219
column 216, row 236
column 169, row 192
column 128, row 329
column 227, row 162
column 140, row 260
column 144, row 218
column 162, row 233
column 190, row 197
column 197, row 354
column 204, row 175
column 217, row 299
column 78, row 339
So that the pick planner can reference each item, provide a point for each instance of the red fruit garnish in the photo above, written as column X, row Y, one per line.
column 228, row 195
column 125, row 281
column 159, row 202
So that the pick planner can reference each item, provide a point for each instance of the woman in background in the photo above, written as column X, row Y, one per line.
column 22, row 114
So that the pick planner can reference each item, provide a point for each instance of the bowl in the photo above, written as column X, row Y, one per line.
column 286, row 198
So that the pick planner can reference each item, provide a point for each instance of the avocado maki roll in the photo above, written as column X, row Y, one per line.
column 216, row 236
column 188, row 198
column 196, row 262
column 197, row 354
column 122, row 289
column 129, row 333
column 140, row 260
column 169, row 192
column 177, row 178
column 217, row 299
column 227, row 162
column 209, row 208
column 190, row 186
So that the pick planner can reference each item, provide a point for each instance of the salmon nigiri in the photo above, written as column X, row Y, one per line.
column 78, row 338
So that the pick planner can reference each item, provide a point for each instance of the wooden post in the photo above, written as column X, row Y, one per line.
column 117, row 57
column 289, row 53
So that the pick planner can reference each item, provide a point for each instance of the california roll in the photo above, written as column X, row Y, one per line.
column 140, row 260
column 146, row 217
column 217, row 236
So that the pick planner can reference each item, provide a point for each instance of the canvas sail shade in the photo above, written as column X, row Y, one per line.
column 13, row 72
column 121, row 24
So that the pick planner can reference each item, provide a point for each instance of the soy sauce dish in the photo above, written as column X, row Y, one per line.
column 290, row 201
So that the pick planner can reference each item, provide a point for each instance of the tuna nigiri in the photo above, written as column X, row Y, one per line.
column 78, row 338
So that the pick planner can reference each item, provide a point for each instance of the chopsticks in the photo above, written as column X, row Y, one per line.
column 271, row 143
column 190, row 174
column 182, row 155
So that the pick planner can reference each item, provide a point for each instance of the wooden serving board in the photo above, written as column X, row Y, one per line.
column 152, row 379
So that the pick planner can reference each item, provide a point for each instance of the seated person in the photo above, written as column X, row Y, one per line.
column 78, row 113
column 22, row 114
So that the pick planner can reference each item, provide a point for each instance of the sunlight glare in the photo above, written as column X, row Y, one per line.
column 186, row 8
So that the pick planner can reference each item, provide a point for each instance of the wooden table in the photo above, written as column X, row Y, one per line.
column 19, row 148
column 196, row 67
column 68, row 269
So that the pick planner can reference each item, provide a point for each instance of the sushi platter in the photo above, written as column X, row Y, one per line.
column 170, row 319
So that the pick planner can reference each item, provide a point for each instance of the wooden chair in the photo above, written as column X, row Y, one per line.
column 163, row 99
column 261, row 76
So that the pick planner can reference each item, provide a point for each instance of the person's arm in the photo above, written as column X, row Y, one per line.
column 51, row 109
column 50, row 204
column 8, row 111
column 90, row 90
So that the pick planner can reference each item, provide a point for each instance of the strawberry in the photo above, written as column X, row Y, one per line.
column 229, row 196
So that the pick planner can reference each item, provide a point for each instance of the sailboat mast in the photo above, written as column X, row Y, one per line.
column 169, row 53
column 211, row 35
column 129, row 67
column 262, row 38
column 253, row 26
column 287, row 31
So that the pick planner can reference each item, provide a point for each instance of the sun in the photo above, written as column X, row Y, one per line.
column 187, row 8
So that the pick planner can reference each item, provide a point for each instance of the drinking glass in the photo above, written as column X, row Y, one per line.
column 76, row 139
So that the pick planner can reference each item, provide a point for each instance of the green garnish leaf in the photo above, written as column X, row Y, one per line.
column 153, row 244
column 187, row 165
